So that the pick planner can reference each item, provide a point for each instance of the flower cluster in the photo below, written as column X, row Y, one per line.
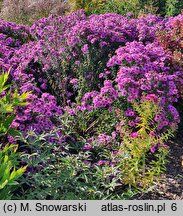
column 103, row 92
column 89, row 63
column 171, row 39
column 144, row 68
column 16, row 41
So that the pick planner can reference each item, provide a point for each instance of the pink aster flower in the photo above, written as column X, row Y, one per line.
column 74, row 81
column 84, row 49
column 134, row 135
column 152, row 97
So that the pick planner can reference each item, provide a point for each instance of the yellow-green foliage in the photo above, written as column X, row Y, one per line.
column 129, row 5
column 137, row 7
column 7, row 105
column 8, row 172
column 102, row 6
column 8, row 154
column 87, row 5
column 140, row 167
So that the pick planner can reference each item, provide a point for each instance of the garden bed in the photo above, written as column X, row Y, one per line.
column 90, row 103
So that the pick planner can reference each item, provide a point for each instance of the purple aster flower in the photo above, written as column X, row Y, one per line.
column 87, row 147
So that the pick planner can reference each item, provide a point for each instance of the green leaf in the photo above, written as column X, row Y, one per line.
column 2, row 89
column 2, row 169
column 12, row 183
column 2, row 185
column 6, row 123
column 6, row 158
column 13, row 174
column 19, row 172
column 3, row 79
column 13, row 132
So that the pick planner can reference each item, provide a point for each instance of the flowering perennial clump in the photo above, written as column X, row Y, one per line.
column 102, row 102
column 75, row 63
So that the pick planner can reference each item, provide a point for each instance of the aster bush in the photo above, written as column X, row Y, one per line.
column 86, row 63
column 19, row 34
column 85, row 75
column 67, row 66
column 141, row 60
column 171, row 39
